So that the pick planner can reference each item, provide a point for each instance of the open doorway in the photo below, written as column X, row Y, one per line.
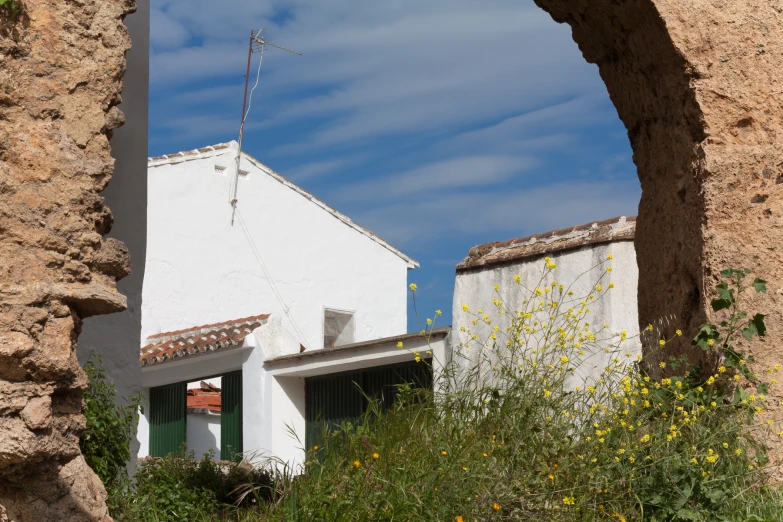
column 203, row 416
column 203, row 402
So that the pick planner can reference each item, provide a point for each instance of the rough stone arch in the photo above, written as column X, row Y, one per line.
column 61, row 72
column 694, row 81
column 697, row 85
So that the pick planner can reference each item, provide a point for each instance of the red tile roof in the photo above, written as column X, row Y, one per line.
column 168, row 346
column 199, row 399
column 616, row 229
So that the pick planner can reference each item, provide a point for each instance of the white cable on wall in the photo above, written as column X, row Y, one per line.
column 269, row 280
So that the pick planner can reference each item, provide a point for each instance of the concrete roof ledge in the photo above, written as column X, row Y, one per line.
column 616, row 229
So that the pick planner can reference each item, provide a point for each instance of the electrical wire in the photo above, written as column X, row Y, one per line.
column 258, row 76
column 278, row 295
column 242, row 126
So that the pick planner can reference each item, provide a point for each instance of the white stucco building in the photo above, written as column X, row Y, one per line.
column 292, row 290
column 287, row 253
column 574, row 250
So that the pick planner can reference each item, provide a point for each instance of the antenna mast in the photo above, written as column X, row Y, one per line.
column 257, row 45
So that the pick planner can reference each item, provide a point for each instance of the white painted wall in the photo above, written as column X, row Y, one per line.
column 204, row 434
column 618, row 308
column 117, row 336
column 200, row 269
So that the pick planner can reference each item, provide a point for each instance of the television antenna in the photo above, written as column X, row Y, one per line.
column 257, row 45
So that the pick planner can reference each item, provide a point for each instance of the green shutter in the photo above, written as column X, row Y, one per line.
column 168, row 424
column 332, row 399
column 231, row 416
column 382, row 383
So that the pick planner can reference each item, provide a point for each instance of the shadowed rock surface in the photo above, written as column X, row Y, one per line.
column 697, row 85
column 61, row 69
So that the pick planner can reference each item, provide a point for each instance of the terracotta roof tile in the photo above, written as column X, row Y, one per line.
column 203, row 400
column 168, row 346
column 616, row 229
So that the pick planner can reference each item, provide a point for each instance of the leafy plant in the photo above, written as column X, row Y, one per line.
column 722, row 339
column 179, row 487
column 105, row 443
column 543, row 416
column 9, row 8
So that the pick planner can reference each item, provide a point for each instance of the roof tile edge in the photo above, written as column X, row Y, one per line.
column 616, row 229
column 189, row 155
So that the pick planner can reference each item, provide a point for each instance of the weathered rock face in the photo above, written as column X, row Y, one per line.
column 697, row 84
column 61, row 69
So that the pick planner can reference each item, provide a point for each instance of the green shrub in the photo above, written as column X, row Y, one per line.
column 513, row 431
column 105, row 443
column 179, row 487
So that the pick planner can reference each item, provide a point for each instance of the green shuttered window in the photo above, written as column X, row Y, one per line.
column 335, row 398
column 231, row 416
column 168, row 424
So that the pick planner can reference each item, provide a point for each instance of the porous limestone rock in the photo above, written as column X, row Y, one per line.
column 61, row 69
column 697, row 83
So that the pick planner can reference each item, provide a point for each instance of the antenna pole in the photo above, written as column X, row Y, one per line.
column 241, row 130
column 257, row 45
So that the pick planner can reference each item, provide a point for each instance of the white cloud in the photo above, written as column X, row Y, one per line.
column 450, row 174
column 165, row 31
column 316, row 169
column 495, row 215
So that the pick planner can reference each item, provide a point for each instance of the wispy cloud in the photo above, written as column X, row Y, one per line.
column 493, row 215
column 451, row 174
column 316, row 169
column 376, row 68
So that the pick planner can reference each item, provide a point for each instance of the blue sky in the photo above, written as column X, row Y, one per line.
column 438, row 125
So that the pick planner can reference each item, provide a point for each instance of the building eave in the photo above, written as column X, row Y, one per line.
column 435, row 334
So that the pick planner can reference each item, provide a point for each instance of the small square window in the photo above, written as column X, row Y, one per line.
column 338, row 328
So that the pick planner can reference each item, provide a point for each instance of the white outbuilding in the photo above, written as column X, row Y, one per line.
column 581, row 254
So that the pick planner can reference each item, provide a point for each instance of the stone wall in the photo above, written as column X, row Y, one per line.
column 61, row 70
column 697, row 84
